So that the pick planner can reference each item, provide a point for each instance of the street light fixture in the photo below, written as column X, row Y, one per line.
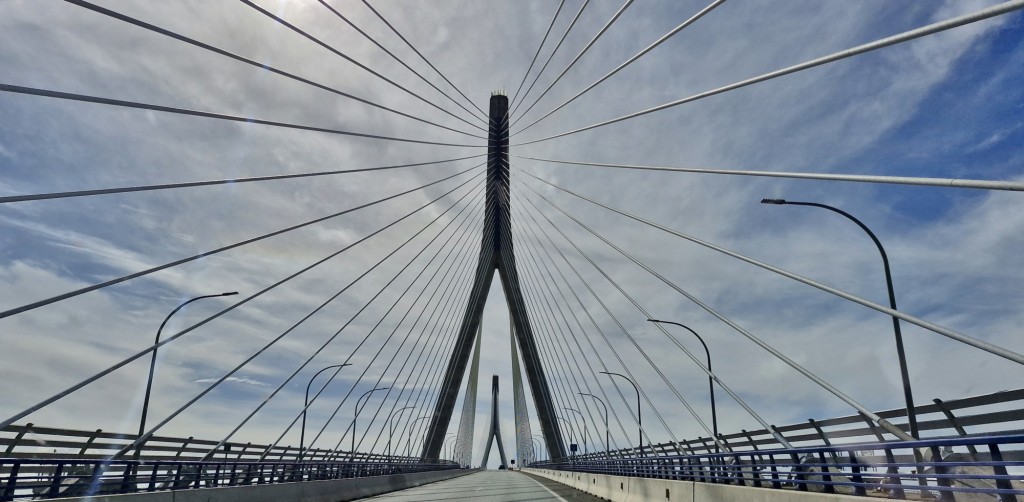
column 901, row 354
column 302, row 436
column 572, row 431
column 152, row 364
column 408, row 442
column 711, row 380
column 356, row 416
column 584, row 420
column 639, row 423
column 391, row 426
column 607, row 444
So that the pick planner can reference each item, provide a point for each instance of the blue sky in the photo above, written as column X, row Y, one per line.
column 948, row 105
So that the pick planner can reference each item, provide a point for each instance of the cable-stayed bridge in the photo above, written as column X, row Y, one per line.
column 320, row 332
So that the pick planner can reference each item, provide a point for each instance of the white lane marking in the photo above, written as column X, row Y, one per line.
column 544, row 487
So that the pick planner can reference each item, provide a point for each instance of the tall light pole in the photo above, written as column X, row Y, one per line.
column 302, row 436
column 572, row 431
column 444, row 445
column 408, row 442
column 639, row 423
column 540, row 451
column 607, row 444
column 900, row 353
column 356, row 416
column 152, row 363
column 711, row 380
column 391, row 425
column 584, row 420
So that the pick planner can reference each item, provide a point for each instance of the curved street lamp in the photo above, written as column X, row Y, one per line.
column 408, row 442
column 356, row 416
column 607, row 444
column 584, row 420
column 639, row 423
column 302, row 436
column 391, row 425
column 900, row 353
column 152, row 362
column 711, row 380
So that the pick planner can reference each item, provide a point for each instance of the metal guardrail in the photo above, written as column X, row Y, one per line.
column 26, row 478
column 995, row 413
column 977, row 468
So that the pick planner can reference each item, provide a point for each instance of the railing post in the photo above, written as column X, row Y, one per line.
column 12, row 481
column 1000, row 470
column 58, row 471
column 858, row 488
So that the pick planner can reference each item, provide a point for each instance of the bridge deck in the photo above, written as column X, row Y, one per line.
column 497, row 486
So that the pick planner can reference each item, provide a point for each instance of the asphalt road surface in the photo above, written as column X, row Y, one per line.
column 496, row 486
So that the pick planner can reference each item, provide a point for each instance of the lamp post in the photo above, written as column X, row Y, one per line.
column 391, row 426
column 152, row 364
column 584, row 420
column 302, row 436
column 451, row 452
column 711, row 380
column 572, row 431
column 538, row 454
column 639, row 423
column 607, row 444
column 408, row 442
column 900, row 353
column 355, row 416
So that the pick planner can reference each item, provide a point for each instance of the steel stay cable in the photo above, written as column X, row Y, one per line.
column 935, row 328
column 464, row 259
column 509, row 265
column 339, row 331
column 554, row 343
column 885, row 424
column 488, row 234
column 436, row 357
column 371, row 331
column 558, row 370
column 534, row 255
column 415, row 343
column 1003, row 8
column 1015, row 186
column 449, row 326
column 262, row 66
column 381, row 349
column 165, row 341
column 533, row 246
column 424, row 58
column 33, row 91
column 692, row 19
column 550, row 56
column 267, row 346
column 446, row 297
column 561, row 4
column 408, row 288
column 393, row 56
column 336, row 52
column 423, row 400
column 452, row 326
column 630, row 337
column 573, row 62
column 226, row 181
column 650, row 403
column 134, row 275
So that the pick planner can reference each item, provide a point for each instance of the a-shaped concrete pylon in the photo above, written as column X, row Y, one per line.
column 495, row 433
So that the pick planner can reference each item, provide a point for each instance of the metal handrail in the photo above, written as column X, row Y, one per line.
column 947, row 467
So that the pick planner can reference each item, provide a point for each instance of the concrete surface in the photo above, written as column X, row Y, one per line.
column 492, row 486
column 308, row 491
column 627, row 489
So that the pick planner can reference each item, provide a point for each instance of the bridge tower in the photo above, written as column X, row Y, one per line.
column 495, row 254
column 495, row 434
